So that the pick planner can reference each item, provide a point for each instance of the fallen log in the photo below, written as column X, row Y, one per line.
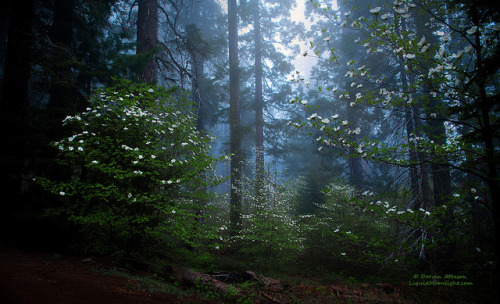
column 218, row 282
column 194, row 278
column 273, row 300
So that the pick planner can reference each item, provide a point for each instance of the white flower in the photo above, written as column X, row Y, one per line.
column 173, row 160
column 344, row 122
column 327, row 39
column 150, row 90
column 140, row 156
column 445, row 38
column 95, row 162
column 421, row 42
column 473, row 190
column 478, row 249
column 313, row 116
column 352, row 104
column 173, row 211
column 400, row 10
column 376, row 10
column 80, row 148
column 472, row 30
column 153, row 156
column 62, row 193
column 336, row 230
column 70, row 148
column 342, row 253
column 409, row 56
column 335, row 116
column 458, row 54
column 325, row 120
column 303, row 102
column 385, row 16
column 129, row 195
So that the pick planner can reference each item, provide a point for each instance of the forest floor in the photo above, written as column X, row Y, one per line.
column 27, row 277
column 30, row 277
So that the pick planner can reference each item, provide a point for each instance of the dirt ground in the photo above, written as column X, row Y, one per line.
column 43, row 278
column 38, row 278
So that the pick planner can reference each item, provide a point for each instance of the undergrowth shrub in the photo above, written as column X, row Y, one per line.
column 270, row 237
column 139, row 172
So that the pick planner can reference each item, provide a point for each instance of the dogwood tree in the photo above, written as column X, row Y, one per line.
column 447, row 58
column 137, row 170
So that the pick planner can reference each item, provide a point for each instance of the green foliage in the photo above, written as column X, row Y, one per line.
column 413, row 64
column 342, row 233
column 270, row 237
column 139, row 171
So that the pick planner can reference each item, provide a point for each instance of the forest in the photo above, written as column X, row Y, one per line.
column 265, row 151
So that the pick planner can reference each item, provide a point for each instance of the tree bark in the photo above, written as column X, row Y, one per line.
column 15, row 102
column 64, row 98
column 259, row 106
column 234, row 119
column 147, row 37
column 355, row 162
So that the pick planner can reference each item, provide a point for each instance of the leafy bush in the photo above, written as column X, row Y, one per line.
column 139, row 171
column 342, row 233
column 270, row 237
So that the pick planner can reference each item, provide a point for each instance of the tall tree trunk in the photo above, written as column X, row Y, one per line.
column 355, row 162
column 412, row 155
column 197, row 67
column 15, row 103
column 234, row 119
column 64, row 98
column 487, row 132
column 410, row 130
column 259, row 106
column 147, row 37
